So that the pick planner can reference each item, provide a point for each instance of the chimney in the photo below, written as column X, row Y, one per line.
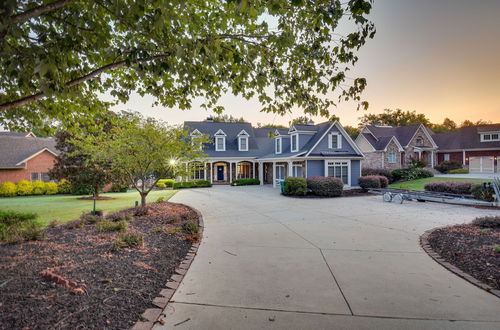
column 210, row 119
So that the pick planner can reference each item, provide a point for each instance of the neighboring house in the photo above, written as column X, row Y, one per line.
column 23, row 156
column 393, row 147
column 476, row 147
column 238, row 150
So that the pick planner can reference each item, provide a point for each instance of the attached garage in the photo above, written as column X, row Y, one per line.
column 484, row 164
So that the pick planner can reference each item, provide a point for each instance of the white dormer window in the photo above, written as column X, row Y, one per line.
column 243, row 141
column 277, row 145
column 195, row 136
column 294, row 142
column 490, row 137
column 334, row 141
column 220, row 141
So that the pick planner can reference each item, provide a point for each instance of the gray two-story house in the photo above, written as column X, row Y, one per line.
column 238, row 150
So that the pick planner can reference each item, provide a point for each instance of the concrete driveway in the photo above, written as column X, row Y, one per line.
column 272, row 262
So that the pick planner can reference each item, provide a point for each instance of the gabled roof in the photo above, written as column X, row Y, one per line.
column 381, row 135
column 19, row 134
column 467, row 138
column 16, row 150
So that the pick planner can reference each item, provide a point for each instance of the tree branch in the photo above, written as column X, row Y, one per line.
column 28, row 99
column 24, row 16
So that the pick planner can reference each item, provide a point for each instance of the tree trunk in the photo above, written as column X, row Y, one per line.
column 96, row 191
column 143, row 198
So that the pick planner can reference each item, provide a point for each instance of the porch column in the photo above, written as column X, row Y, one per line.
column 432, row 158
column 211, row 172
column 205, row 171
column 290, row 169
column 230, row 172
column 463, row 158
column 187, row 172
column 253, row 169
column 261, row 173
column 305, row 169
column 274, row 174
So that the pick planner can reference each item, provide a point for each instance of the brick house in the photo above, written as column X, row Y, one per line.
column 23, row 156
column 393, row 147
column 476, row 147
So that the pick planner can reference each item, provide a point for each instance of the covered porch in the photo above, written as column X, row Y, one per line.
column 222, row 171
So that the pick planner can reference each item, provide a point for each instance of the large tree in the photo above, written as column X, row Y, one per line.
column 396, row 117
column 57, row 57
column 143, row 150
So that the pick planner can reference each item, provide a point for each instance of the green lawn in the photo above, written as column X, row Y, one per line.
column 65, row 208
column 419, row 184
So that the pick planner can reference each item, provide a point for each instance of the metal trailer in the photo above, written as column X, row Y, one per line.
column 400, row 195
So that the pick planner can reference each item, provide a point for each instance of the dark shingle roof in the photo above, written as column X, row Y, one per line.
column 14, row 149
column 466, row 138
column 9, row 133
column 402, row 133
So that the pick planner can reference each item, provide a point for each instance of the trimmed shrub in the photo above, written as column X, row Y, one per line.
column 116, row 187
column 452, row 187
column 39, row 187
column 245, row 182
column 129, row 239
column 487, row 222
column 108, row 226
column 24, row 188
column 17, row 227
column 459, row 171
column 325, row 186
column 64, row 187
column 81, row 190
column 192, row 184
column 408, row 174
column 369, row 182
column 8, row 189
column 167, row 182
column 448, row 165
column 483, row 192
column 161, row 185
column 51, row 188
column 295, row 186
column 417, row 163
column 190, row 227
column 378, row 171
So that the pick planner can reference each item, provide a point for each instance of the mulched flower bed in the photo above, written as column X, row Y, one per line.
column 108, row 289
column 345, row 193
column 470, row 248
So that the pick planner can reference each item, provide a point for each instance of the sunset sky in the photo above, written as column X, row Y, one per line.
column 438, row 57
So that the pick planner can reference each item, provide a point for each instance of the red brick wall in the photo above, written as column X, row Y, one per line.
column 42, row 163
column 456, row 156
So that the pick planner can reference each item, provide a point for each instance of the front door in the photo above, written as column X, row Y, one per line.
column 220, row 173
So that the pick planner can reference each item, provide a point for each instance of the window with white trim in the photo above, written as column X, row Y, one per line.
column 446, row 157
column 198, row 171
column 334, row 141
column 490, row 137
column 339, row 169
column 294, row 142
column 391, row 158
column 243, row 171
column 243, row 143
column 280, row 172
column 297, row 170
column 220, row 143
column 277, row 145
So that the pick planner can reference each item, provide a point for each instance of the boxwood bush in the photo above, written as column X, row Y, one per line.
column 245, row 182
column 452, row 187
column 325, row 186
column 295, row 186
column 483, row 191
column 51, row 188
column 167, row 182
column 448, row 165
column 373, row 182
column 192, row 184
column 459, row 171
column 408, row 174
column 378, row 171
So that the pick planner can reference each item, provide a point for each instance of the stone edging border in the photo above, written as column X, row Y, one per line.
column 424, row 243
column 154, row 315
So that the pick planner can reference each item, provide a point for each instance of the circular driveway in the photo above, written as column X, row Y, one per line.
column 268, row 261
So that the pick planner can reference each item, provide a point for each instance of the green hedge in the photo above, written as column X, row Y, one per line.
column 295, row 186
column 192, row 184
column 245, row 182
column 459, row 171
column 408, row 174
column 8, row 189
column 373, row 181
column 169, row 183
column 325, row 186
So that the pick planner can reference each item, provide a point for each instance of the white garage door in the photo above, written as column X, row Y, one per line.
column 481, row 164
